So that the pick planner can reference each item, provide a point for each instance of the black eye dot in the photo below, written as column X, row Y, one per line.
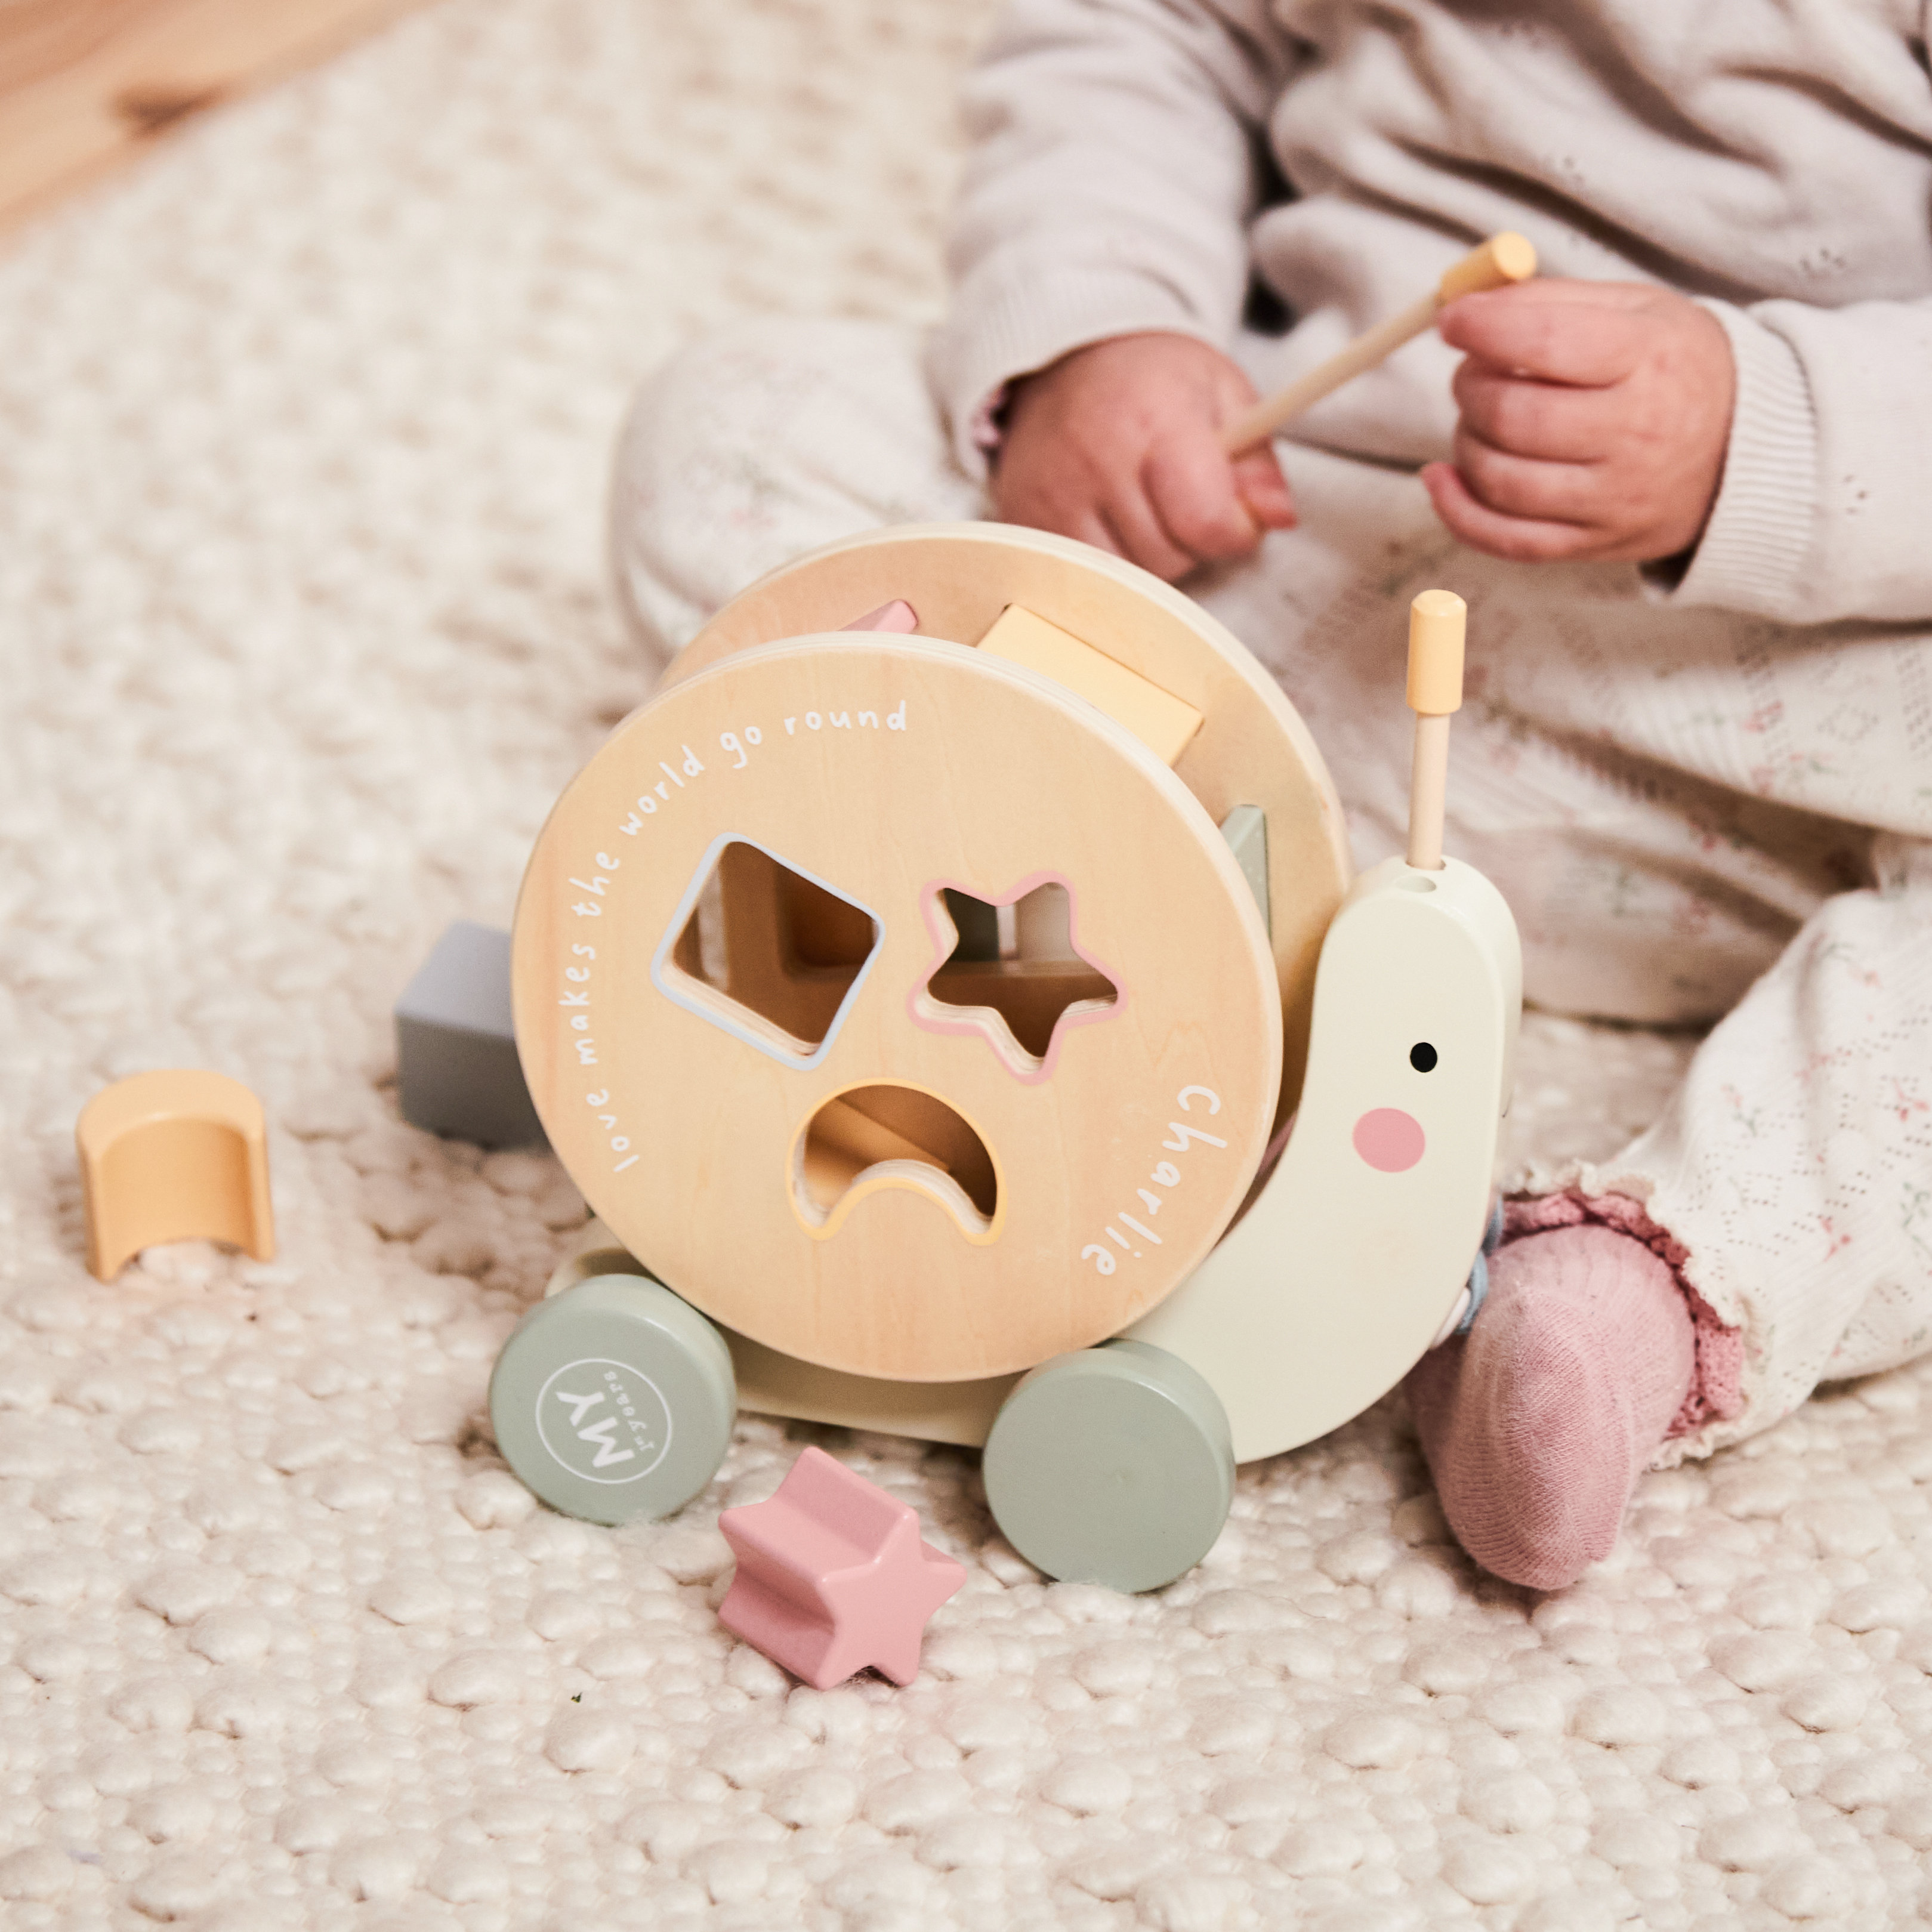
column 1422, row 1057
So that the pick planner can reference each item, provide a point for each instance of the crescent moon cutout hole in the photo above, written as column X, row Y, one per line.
column 765, row 951
column 888, row 1136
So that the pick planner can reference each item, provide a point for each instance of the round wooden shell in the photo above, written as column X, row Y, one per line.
column 1060, row 1197
column 1253, row 748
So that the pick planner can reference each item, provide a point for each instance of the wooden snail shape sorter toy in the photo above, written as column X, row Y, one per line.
column 915, row 1011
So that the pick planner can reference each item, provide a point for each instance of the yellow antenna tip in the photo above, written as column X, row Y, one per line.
column 1437, row 620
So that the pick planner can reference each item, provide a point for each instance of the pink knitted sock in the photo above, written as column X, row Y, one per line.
column 1536, row 1423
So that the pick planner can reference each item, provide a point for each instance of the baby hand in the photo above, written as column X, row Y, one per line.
column 1594, row 418
column 1120, row 444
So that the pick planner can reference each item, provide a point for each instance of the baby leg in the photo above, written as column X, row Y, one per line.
column 1790, row 1171
column 763, row 441
column 1537, row 1424
column 1794, row 1165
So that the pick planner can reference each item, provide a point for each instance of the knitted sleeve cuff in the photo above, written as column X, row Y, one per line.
column 1755, row 550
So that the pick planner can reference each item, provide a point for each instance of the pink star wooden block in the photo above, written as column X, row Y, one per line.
column 832, row 1577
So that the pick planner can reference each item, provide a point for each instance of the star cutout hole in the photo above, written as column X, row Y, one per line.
column 1012, row 969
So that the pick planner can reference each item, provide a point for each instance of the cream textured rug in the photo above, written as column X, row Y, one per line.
column 302, row 433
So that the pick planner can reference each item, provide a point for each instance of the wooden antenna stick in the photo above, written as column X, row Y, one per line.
column 1436, row 622
column 1501, row 260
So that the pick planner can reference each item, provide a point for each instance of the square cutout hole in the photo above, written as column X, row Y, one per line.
column 768, row 953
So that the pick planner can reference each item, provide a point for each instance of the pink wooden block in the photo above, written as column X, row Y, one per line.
column 898, row 615
column 832, row 1577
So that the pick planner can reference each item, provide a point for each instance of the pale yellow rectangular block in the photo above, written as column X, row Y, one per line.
column 1162, row 721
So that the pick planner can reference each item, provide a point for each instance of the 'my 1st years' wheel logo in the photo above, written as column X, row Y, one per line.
column 603, row 1420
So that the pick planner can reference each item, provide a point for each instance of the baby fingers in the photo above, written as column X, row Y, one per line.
column 1135, row 531
column 1191, row 488
column 1592, row 333
column 1516, row 485
column 1550, row 421
column 1523, row 538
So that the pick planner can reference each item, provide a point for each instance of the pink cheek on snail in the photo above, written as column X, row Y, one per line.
column 1389, row 1140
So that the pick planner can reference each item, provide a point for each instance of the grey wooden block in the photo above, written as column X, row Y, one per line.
column 456, row 1045
column 1246, row 830
column 979, row 925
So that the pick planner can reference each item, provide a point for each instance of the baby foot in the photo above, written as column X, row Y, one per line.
column 1537, row 1424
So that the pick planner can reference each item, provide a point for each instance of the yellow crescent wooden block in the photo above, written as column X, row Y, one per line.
column 177, row 1155
column 1159, row 720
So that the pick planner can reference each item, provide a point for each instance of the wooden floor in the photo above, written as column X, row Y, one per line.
column 86, row 84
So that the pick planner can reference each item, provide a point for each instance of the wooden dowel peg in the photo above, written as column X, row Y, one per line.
column 1437, row 621
column 1428, row 785
column 1501, row 260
